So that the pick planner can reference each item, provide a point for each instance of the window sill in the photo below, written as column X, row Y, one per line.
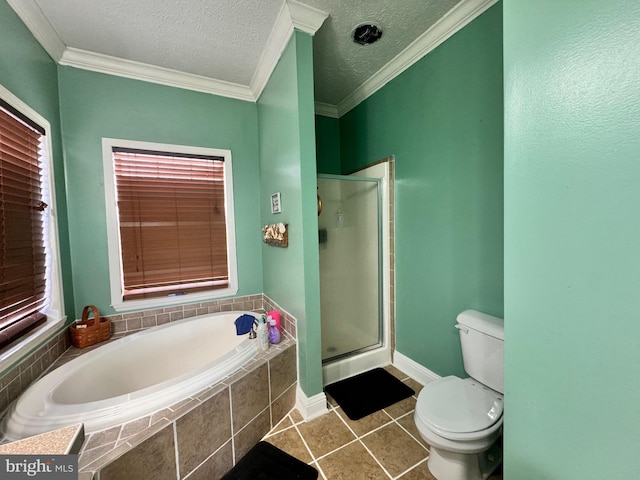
column 11, row 355
column 159, row 302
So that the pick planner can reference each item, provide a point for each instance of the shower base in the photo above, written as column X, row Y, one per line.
column 352, row 365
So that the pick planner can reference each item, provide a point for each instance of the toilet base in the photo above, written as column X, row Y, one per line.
column 445, row 465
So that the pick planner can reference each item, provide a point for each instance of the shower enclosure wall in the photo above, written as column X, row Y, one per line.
column 354, row 271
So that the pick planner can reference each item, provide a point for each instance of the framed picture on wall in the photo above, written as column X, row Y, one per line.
column 276, row 206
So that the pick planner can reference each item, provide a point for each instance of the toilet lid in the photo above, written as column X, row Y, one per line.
column 453, row 405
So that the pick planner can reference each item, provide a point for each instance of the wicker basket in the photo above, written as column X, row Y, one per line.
column 90, row 331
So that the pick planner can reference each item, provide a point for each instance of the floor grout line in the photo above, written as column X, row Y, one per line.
column 375, row 458
column 407, row 431
column 304, row 442
column 334, row 409
column 411, row 468
column 325, row 455
column 358, row 438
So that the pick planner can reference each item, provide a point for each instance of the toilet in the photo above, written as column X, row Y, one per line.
column 461, row 419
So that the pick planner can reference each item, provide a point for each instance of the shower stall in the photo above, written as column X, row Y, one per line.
column 354, row 272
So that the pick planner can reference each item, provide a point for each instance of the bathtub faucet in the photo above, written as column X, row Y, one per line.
column 252, row 332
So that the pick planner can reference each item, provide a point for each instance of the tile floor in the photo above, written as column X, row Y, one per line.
column 384, row 445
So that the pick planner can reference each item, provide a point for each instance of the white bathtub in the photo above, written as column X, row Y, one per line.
column 132, row 377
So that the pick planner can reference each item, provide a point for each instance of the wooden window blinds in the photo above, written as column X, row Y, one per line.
column 23, row 219
column 173, row 232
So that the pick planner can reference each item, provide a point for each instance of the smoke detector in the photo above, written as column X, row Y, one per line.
column 366, row 33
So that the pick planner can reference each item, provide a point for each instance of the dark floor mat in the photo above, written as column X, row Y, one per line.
column 266, row 462
column 368, row 392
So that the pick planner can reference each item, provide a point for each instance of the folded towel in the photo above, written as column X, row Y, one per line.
column 244, row 323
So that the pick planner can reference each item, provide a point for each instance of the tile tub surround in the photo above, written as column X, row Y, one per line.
column 16, row 380
column 136, row 321
column 50, row 355
column 204, row 435
column 102, row 448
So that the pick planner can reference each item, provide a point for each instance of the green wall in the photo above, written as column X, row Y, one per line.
column 28, row 72
column 88, row 106
column 328, row 145
column 94, row 106
column 572, row 239
column 288, row 166
column 442, row 119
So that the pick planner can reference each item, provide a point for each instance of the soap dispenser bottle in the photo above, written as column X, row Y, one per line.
column 274, row 331
column 263, row 334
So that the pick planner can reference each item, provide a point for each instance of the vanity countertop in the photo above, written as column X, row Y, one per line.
column 63, row 441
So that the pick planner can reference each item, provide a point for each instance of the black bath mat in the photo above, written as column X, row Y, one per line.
column 266, row 462
column 368, row 392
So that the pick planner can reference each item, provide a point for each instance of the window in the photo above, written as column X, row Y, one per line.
column 30, row 288
column 173, row 233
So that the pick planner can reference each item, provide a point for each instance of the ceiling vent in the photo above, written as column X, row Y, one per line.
column 366, row 34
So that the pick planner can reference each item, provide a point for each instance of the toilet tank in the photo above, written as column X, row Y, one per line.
column 482, row 341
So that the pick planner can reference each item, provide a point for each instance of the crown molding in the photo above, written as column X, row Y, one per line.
column 326, row 110
column 459, row 17
column 306, row 18
column 31, row 15
column 292, row 15
column 98, row 62
column 276, row 43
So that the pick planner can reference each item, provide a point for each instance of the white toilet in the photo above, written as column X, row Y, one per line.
column 461, row 419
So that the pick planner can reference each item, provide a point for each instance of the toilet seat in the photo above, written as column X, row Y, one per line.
column 456, row 409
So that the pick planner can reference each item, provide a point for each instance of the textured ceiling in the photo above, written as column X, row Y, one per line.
column 340, row 65
column 224, row 39
column 221, row 39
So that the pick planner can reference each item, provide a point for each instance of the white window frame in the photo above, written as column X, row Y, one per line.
column 54, row 308
column 113, row 231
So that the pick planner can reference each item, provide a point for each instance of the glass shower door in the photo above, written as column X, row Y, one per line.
column 350, row 265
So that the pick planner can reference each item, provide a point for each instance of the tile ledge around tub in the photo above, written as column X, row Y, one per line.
column 63, row 441
column 96, row 455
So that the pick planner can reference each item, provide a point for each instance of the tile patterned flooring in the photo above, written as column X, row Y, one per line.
column 382, row 446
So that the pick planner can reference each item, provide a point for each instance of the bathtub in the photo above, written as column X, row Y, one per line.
column 133, row 376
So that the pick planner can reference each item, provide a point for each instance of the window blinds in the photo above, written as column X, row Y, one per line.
column 172, row 222
column 22, row 229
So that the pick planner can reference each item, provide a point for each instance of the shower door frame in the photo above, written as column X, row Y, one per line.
column 380, row 283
